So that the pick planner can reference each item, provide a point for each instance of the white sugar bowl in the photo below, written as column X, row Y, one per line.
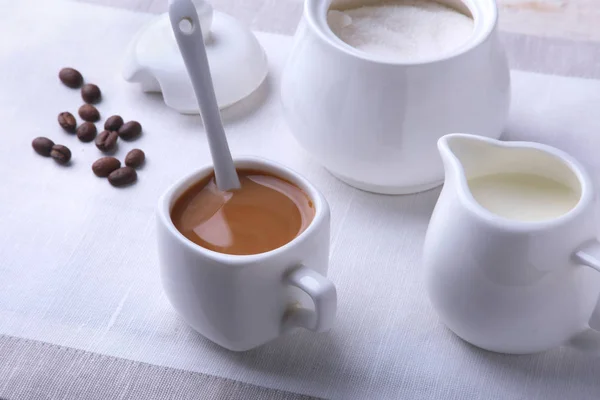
column 374, row 123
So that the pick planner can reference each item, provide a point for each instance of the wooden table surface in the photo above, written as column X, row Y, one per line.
column 568, row 19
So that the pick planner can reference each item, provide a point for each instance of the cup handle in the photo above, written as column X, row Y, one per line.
column 589, row 255
column 323, row 294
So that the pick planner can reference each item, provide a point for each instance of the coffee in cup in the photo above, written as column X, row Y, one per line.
column 265, row 213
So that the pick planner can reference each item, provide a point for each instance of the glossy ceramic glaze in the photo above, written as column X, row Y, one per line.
column 506, row 285
column 375, row 123
column 153, row 60
column 241, row 302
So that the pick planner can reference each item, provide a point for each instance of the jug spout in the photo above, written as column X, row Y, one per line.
column 465, row 156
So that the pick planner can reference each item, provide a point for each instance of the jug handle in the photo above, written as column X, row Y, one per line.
column 589, row 255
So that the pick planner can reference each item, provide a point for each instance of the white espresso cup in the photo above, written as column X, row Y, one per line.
column 243, row 301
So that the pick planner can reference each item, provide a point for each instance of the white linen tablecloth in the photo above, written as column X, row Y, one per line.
column 78, row 265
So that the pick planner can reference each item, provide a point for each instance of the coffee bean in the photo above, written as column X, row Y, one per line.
column 135, row 158
column 130, row 130
column 106, row 141
column 61, row 154
column 122, row 176
column 70, row 77
column 42, row 146
column 89, row 113
column 113, row 123
column 67, row 121
column 87, row 132
column 105, row 165
column 90, row 93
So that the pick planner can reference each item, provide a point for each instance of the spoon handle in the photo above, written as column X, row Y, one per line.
column 186, row 27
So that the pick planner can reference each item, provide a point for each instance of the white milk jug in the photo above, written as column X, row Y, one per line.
column 511, row 257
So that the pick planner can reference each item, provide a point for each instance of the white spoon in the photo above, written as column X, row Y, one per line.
column 186, row 27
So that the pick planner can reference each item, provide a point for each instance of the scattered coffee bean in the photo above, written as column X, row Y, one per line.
column 70, row 77
column 90, row 93
column 89, row 113
column 67, row 121
column 135, row 158
column 86, row 132
column 130, row 130
column 122, row 176
column 106, row 141
column 42, row 146
column 105, row 165
column 113, row 123
column 61, row 154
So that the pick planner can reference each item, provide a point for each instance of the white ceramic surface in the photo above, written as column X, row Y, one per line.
column 237, row 61
column 506, row 285
column 241, row 302
column 374, row 123
column 187, row 28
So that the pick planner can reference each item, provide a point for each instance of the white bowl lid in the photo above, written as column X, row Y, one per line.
column 238, row 63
